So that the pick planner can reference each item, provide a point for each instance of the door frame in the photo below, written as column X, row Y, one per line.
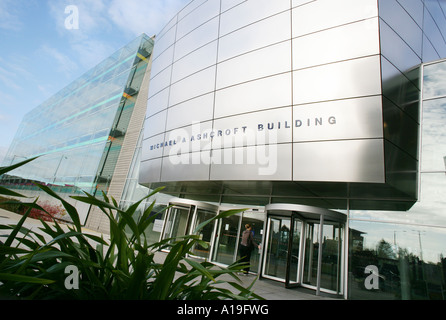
column 193, row 207
column 304, row 214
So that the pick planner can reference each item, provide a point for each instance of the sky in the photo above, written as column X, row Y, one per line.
column 47, row 44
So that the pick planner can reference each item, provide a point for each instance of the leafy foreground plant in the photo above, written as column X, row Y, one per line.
column 121, row 267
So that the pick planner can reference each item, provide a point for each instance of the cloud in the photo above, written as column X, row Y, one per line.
column 64, row 62
column 100, row 21
column 91, row 17
column 91, row 52
column 9, row 18
column 137, row 16
column 130, row 16
column 12, row 72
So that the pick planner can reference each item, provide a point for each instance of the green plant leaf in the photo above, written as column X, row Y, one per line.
column 11, row 193
column 221, row 215
column 11, row 250
column 197, row 266
column 72, row 212
column 22, row 278
column 17, row 228
column 4, row 170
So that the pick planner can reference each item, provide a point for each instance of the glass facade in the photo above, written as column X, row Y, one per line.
column 78, row 133
column 407, row 247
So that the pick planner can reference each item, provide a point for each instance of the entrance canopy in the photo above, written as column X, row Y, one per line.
column 305, row 212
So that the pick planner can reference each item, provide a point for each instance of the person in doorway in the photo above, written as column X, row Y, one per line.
column 246, row 246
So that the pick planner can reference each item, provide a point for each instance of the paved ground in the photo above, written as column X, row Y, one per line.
column 268, row 289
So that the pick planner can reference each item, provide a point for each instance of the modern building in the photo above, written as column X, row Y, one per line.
column 325, row 120
column 86, row 134
column 322, row 119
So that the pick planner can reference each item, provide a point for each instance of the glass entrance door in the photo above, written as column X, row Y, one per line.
column 304, row 247
column 177, row 223
column 294, row 252
column 276, row 254
column 184, row 217
column 226, row 247
column 202, row 250
column 282, row 254
column 328, row 269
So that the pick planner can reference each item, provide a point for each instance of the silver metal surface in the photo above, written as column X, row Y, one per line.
column 289, row 89
column 153, row 147
column 160, row 81
column 323, row 14
column 199, row 59
column 260, row 94
column 158, row 102
column 188, row 88
column 195, row 18
column 150, row 170
column 342, row 160
column 202, row 35
column 186, row 167
column 249, row 12
column 198, row 204
column 191, row 111
column 338, row 120
column 345, row 42
column 347, row 79
column 155, row 124
column 254, row 36
column 251, row 65
column 190, row 7
column 163, row 61
column 252, row 129
column 268, row 162
column 188, row 139
column 308, row 212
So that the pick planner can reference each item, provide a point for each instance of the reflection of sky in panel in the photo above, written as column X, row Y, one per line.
column 434, row 80
column 434, row 118
column 429, row 210
column 74, row 166
column 433, row 135
column 106, row 79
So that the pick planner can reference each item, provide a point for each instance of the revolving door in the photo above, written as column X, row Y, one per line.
column 304, row 246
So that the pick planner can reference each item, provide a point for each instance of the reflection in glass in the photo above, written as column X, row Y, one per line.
column 295, row 251
column 331, row 257
column 277, row 251
column 201, row 249
column 77, row 134
column 434, row 80
column 227, row 240
column 410, row 260
column 311, row 254
column 177, row 223
column 434, row 135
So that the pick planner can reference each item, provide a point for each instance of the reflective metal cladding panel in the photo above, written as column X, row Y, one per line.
column 266, row 90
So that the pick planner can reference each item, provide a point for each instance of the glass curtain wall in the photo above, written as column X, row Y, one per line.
column 77, row 134
column 407, row 248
